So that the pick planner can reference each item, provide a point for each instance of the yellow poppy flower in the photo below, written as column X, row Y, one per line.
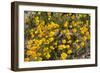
column 82, row 43
column 74, row 30
column 77, row 41
column 55, row 43
column 63, row 41
column 61, row 47
column 36, row 32
column 51, row 33
column 28, row 46
column 69, row 51
column 48, row 55
column 63, row 31
column 45, row 49
column 66, row 24
column 29, row 52
column 83, row 29
column 30, row 42
column 51, row 39
column 51, row 47
column 64, row 56
column 67, row 46
column 85, row 38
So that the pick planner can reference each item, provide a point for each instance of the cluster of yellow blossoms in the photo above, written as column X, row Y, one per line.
column 56, row 36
